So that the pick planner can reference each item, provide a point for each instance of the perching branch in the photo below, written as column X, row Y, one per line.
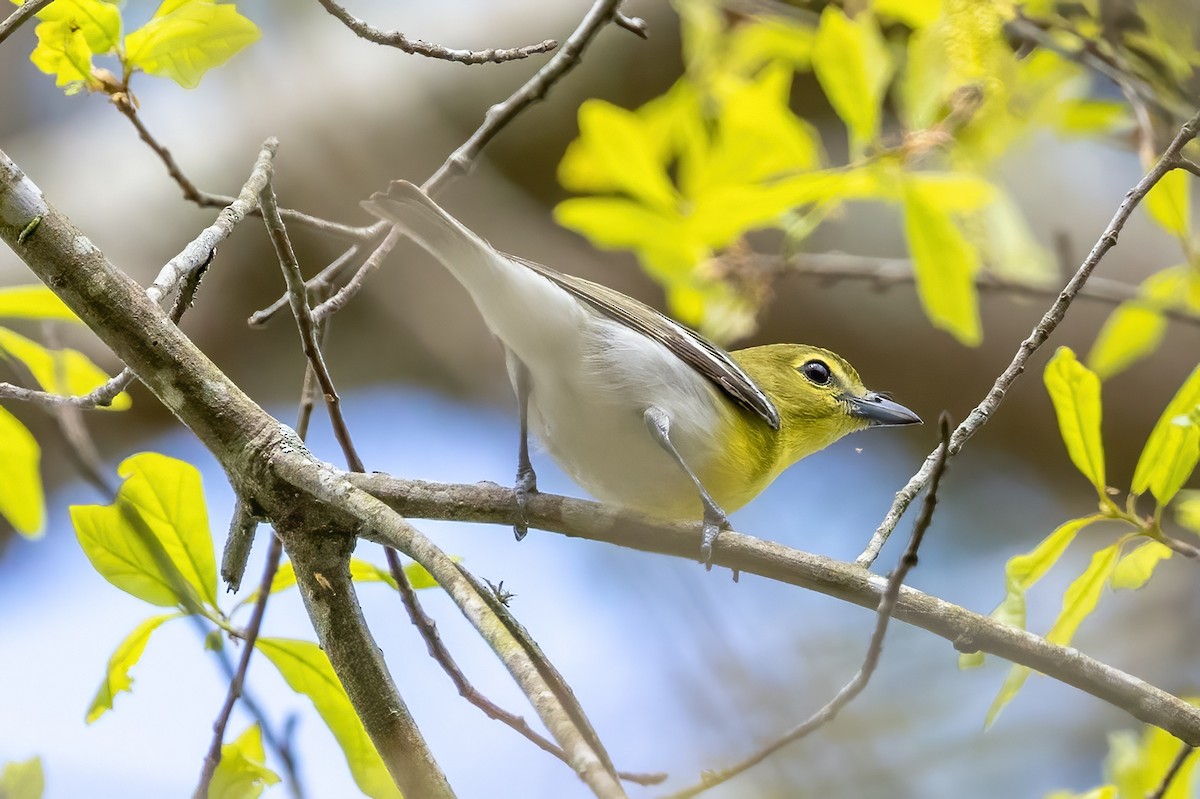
column 967, row 630
column 883, row 615
column 984, row 410
column 401, row 42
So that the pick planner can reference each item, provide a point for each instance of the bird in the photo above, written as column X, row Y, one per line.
column 641, row 411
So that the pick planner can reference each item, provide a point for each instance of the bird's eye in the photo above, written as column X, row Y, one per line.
column 816, row 371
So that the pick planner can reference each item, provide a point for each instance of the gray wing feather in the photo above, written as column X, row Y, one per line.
column 701, row 354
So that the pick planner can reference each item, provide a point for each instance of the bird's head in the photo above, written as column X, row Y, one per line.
column 819, row 396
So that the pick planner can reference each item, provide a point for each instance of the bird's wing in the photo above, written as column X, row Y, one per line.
column 693, row 349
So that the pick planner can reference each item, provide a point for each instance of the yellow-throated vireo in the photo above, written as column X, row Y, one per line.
column 638, row 409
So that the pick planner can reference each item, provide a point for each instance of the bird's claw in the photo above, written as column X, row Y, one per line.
column 525, row 487
column 713, row 525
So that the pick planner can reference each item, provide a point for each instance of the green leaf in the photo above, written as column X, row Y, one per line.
column 306, row 670
column 1136, row 327
column 1022, row 572
column 67, row 372
column 618, row 144
column 1075, row 392
column 1187, row 511
column 166, row 495
column 1008, row 246
column 1136, row 766
column 34, row 302
column 915, row 14
column 1168, row 203
column 116, row 676
column 22, row 779
column 953, row 192
column 1083, row 594
column 1180, row 452
column 944, row 262
column 97, row 21
column 851, row 62
column 1135, row 567
column 1012, row 685
column 186, row 38
column 1155, row 451
column 62, row 51
column 22, row 502
column 618, row 223
column 242, row 772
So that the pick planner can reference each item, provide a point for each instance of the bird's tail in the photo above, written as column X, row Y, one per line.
column 428, row 224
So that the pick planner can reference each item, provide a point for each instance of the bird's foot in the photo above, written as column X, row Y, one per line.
column 714, row 522
column 523, row 489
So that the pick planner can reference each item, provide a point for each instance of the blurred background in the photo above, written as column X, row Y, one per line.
column 680, row 669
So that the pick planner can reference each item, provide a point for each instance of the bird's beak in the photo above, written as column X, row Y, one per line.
column 879, row 411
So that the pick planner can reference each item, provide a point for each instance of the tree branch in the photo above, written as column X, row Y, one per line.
column 17, row 18
column 984, row 410
column 968, row 631
column 418, row 47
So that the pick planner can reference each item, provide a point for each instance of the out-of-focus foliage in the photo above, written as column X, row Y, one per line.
column 22, row 780
column 64, row 371
column 242, row 772
column 1137, row 765
column 1167, row 461
column 683, row 179
column 183, row 40
column 154, row 543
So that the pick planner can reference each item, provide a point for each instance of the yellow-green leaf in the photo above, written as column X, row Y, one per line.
column 22, row 502
column 1075, row 392
column 175, row 566
column 33, row 302
column 22, row 779
column 851, row 62
column 1180, row 452
column 1155, row 451
column 1012, row 685
column 242, row 772
column 307, row 671
column 360, row 571
column 953, row 192
column 1083, row 594
column 617, row 223
column 62, row 51
column 913, row 13
column 66, row 371
column 1135, row 567
column 1008, row 246
column 98, row 21
column 1168, row 203
column 1187, row 511
column 1022, row 572
column 1137, row 765
column 944, row 262
column 1103, row 792
column 116, row 676
column 618, row 144
column 1136, row 327
column 186, row 38
column 766, row 40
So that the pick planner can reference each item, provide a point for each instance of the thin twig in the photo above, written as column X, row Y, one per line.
column 496, row 119
column 498, row 116
column 80, row 445
column 984, row 410
column 883, row 615
column 635, row 25
column 317, row 284
column 17, row 18
column 400, row 41
column 885, row 272
column 355, row 284
column 1173, row 770
column 438, row 651
column 307, row 325
column 206, row 200
column 235, row 685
